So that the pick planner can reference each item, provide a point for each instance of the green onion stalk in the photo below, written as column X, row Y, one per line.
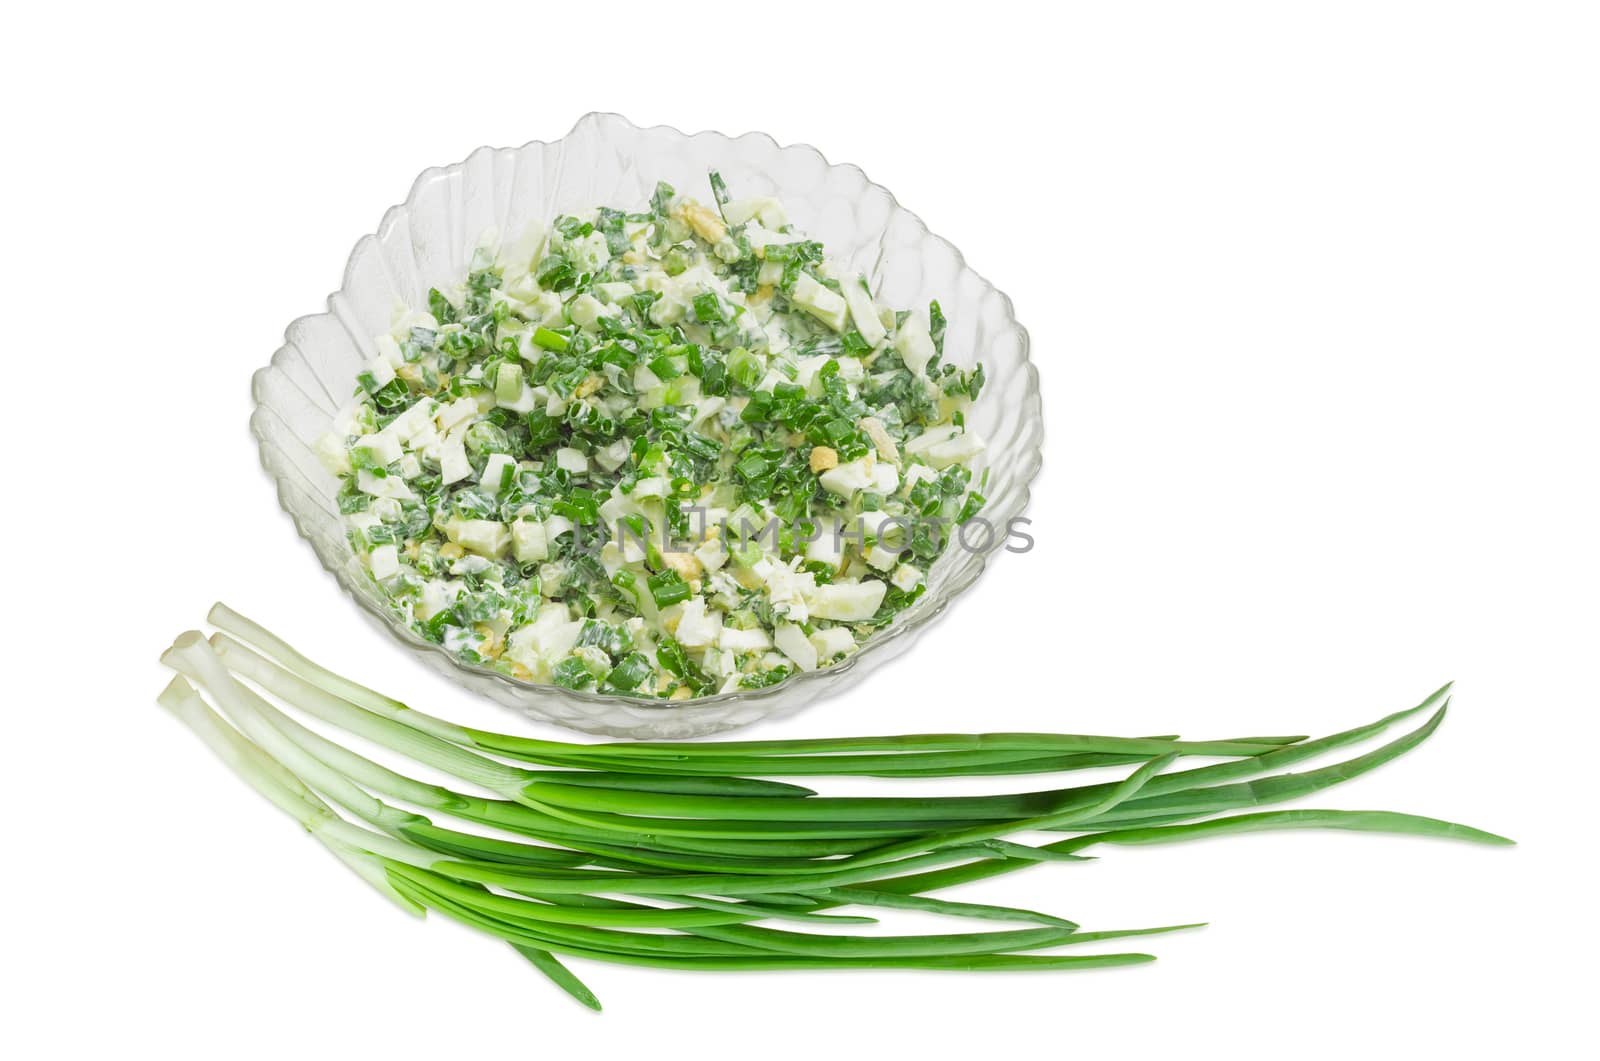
column 689, row 856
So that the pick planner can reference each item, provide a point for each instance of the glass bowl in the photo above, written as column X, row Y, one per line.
column 607, row 160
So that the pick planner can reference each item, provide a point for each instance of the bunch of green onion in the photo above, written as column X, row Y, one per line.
column 685, row 856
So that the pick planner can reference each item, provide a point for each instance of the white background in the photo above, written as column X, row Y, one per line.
column 1312, row 292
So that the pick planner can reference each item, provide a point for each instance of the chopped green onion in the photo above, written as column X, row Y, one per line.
column 668, row 587
column 550, row 340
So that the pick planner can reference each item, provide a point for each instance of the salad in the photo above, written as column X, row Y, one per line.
column 667, row 453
